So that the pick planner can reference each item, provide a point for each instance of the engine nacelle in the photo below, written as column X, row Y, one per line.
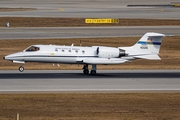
column 108, row 52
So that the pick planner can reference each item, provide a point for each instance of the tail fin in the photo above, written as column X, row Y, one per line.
column 147, row 47
column 149, row 43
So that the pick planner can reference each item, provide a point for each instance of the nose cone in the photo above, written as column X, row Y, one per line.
column 16, row 56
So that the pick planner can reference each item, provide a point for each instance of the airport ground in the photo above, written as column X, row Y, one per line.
column 139, row 106
column 95, row 106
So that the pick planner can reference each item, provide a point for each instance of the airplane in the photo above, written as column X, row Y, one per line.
column 147, row 47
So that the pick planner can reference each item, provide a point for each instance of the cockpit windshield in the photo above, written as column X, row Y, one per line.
column 32, row 48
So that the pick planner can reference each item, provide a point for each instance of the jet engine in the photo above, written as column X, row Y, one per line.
column 109, row 52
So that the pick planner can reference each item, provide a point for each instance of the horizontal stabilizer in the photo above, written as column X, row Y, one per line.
column 149, row 57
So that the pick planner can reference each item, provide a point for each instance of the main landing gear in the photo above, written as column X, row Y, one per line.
column 21, row 68
column 86, row 71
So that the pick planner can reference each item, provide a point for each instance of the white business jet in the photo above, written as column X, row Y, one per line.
column 146, row 48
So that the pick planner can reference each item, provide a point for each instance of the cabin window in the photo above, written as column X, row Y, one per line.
column 32, row 49
column 83, row 51
column 62, row 50
column 69, row 50
column 76, row 51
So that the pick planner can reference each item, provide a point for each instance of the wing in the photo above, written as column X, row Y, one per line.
column 101, row 60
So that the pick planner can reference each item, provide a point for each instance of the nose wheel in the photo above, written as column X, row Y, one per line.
column 21, row 68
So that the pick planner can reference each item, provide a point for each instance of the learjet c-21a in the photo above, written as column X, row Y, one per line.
column 146, row 48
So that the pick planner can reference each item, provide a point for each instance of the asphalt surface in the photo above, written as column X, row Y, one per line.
column 87, row 9
column 84, row 32
column 71, row 74
column 104, row 81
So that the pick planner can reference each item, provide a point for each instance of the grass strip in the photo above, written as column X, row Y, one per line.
column 91, row 106
column 70, row 22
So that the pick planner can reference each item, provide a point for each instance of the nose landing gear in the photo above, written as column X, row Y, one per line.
column 21, row 68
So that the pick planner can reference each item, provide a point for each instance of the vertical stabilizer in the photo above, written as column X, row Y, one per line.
column 149, row 43
column 147, row 47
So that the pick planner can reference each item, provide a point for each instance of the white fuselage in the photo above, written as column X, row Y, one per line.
column 146, row 48
column 68, row 54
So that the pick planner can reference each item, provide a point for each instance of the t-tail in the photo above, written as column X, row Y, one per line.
column 147, row 47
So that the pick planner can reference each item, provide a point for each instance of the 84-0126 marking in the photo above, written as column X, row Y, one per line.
column 144, row 47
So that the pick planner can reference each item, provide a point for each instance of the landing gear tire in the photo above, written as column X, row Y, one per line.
column 21, row 68
column 85, row 71
column 93, row 72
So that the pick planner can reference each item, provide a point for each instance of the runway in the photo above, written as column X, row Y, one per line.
column 104, row 81
column 84, row 32
column 90, row 9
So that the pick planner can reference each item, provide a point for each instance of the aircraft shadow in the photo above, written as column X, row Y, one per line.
column 81, row 75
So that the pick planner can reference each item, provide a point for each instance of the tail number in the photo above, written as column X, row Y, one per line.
column 144, row 47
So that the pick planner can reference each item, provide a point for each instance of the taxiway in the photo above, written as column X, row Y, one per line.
column 88, row 9
column 84, row 32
